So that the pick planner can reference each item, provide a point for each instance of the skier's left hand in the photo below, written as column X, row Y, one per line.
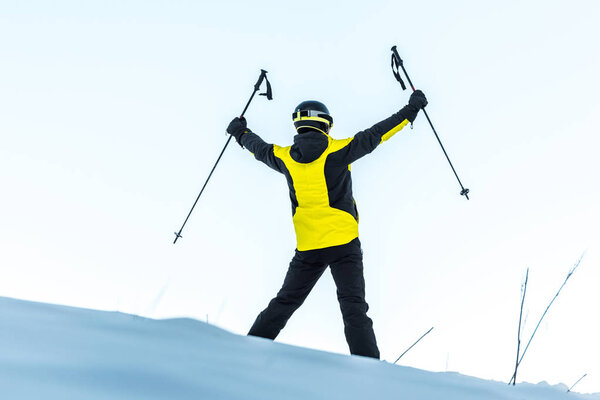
column 237, row 126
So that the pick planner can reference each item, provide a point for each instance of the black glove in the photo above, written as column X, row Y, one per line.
column 237, row 127
column 417, row 100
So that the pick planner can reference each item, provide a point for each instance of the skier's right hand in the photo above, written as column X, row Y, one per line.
column 418, row 99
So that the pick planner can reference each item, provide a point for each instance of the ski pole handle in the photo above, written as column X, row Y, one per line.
column 262, row 76
column 401, row 64
column 268, row 93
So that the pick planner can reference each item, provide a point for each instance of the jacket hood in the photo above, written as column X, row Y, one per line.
column 308, row 146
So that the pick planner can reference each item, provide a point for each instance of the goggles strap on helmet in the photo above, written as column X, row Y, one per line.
column 312, row 115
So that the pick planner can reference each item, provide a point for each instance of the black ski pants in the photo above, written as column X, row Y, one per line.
column 305, row 270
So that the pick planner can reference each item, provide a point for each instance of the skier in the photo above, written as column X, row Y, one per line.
column 317, row 168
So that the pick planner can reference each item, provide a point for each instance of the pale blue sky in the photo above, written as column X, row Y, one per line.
column 113, row 113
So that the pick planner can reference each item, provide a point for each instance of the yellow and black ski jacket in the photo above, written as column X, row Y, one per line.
column 317, row 169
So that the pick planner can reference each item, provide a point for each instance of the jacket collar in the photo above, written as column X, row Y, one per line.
column 309, row 146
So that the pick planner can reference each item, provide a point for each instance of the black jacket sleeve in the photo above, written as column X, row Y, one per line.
column 366, row 141
column 262, row 151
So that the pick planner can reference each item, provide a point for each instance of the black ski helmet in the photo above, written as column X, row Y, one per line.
column 312, row 114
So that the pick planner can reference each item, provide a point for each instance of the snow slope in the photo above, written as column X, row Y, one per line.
column 56, row 352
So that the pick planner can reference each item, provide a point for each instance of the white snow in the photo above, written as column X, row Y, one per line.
column 57, row 352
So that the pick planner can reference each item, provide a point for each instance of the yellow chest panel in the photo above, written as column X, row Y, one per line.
column 317, row 224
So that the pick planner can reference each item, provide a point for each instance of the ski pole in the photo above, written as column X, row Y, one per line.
column 398, row 61
column 268, row 93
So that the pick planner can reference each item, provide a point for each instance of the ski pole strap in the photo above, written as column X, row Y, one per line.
column 269, row 92
column 395, row 69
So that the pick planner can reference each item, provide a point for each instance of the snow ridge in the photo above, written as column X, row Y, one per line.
column 58, row 352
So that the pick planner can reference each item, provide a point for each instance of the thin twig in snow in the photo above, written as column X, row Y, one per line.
column 579, row 380
column 413, row 345
column 524, row 291
column 547, row 308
